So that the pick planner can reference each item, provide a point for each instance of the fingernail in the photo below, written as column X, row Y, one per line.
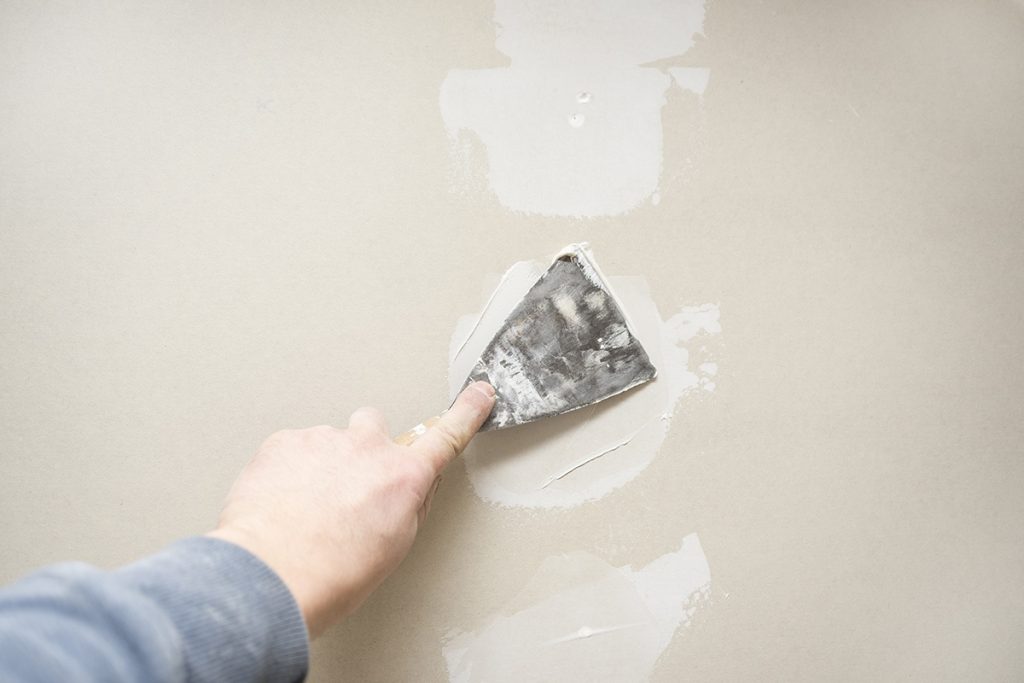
column 484, row 388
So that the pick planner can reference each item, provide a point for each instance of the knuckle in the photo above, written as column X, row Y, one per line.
column 450, row 437
column 321, row 433
column 413, row 477
column 368, row 419
column 367, row 437
column 278, row 437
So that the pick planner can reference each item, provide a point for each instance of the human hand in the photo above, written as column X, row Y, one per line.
column 334, row 511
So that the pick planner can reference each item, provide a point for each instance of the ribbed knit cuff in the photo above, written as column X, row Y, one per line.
column 237, row 619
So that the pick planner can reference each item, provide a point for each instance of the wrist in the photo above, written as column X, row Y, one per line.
column 283, row 567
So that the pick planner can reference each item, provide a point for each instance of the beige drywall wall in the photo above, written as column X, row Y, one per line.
column 217, row 221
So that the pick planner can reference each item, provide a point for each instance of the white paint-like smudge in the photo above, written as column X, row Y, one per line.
column 589, row 459
column 695, row 319
column 618, row 337
column 690, row 78
column 567, row 460
column 587, row 632
column 567, row 307
column 709, row 370
column 573, row 126
column 480, row 317
column 581, row 619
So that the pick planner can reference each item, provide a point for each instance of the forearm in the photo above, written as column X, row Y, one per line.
column 201, row 610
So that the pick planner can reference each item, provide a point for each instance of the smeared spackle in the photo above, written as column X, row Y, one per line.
column 547, row 632
column 567, row 307
column 487, row 305
column 514, row 467
column 619, row 336
column 591, row 458
column 573, row 126
column 588, row 632
column 695, row 319
column 694, row 79
column 710, row 369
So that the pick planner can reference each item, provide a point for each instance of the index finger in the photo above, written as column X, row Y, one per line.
column 452, row 432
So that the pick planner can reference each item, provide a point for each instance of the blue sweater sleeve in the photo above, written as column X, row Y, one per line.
column 201, row 610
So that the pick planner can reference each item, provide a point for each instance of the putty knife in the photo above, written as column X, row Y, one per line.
column 565, row 346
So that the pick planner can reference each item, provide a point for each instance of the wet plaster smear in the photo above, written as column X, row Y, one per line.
column 581, row 619
column 572, row 127
column 564, row 461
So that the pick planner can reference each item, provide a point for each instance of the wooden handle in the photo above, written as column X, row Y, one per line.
column 407, row 438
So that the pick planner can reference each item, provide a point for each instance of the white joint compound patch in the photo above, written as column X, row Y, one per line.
column 567, row 460
column 573, row 126
column 581, row 619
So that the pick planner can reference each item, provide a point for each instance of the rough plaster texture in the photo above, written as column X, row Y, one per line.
column 216, row 222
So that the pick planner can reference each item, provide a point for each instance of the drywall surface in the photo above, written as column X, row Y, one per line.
column 217, row 223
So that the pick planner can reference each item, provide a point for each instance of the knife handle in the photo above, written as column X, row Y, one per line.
column 407, row 438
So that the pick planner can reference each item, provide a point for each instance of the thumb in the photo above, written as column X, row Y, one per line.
column 453, row 431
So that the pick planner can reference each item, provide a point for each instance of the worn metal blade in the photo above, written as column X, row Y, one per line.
column 565, row 346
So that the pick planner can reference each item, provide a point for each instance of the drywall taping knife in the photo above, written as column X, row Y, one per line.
column 568, row 344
